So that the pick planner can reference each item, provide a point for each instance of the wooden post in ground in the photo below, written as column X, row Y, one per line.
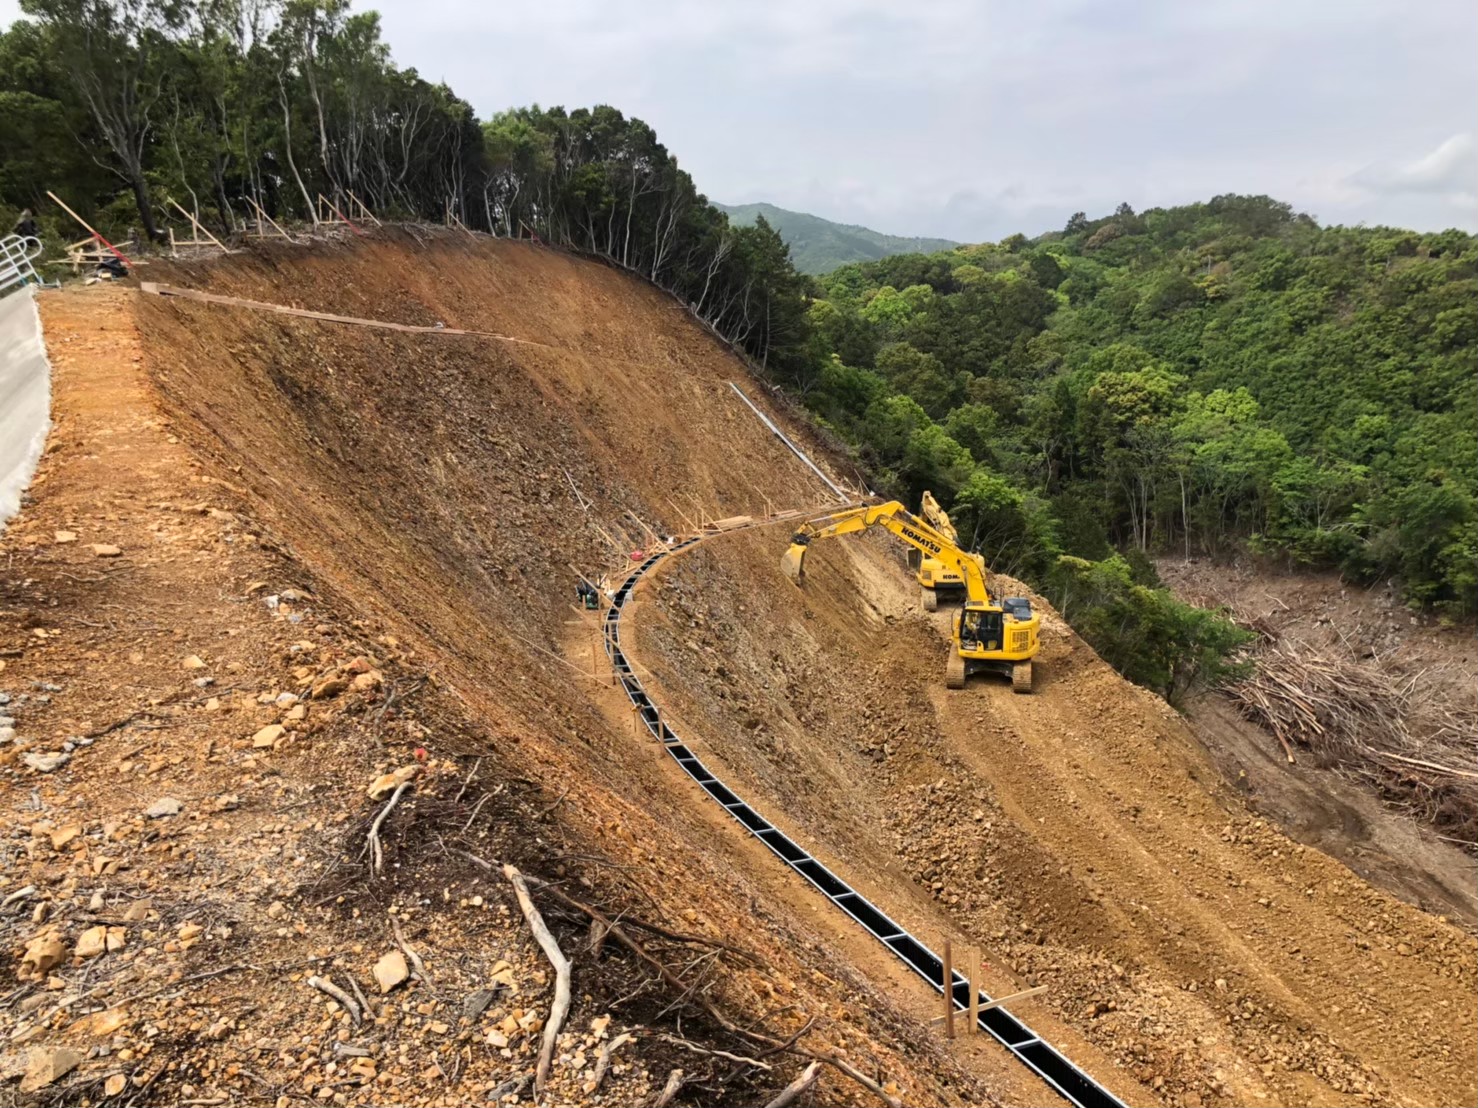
column 364, row 210
column 974, row 975
column 949, row 992
column 261, row 215
column 199, row 228
column 1000, row 1001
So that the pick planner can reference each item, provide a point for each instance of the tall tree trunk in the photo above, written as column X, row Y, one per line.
column 287, row 148
column 145, row 205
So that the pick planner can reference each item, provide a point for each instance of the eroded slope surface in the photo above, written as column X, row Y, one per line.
column 266, row 560
column 1079, row 834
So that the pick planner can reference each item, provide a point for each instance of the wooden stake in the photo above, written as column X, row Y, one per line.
column 261, row 215
column 949, row 993
column 364, row 210
column 342, row 217
column 974, row 975
column 681, row 515
column 999, row 1001
column 90, row 228
column 200, row 230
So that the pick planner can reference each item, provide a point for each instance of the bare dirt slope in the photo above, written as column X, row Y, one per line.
column 364, row 539
column 1079, row 833
column 264, row 562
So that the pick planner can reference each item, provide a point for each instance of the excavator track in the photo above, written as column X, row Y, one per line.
column 929, row 599
column 954, row 671
column 1021, row 677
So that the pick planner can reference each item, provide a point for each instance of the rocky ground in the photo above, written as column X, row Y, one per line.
column 212, row 703
column 284, row 590
column 1079, row 835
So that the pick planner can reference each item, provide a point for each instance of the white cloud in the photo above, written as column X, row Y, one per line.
column 1451, row 168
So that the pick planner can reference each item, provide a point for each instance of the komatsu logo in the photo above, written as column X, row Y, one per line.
column 926, row 543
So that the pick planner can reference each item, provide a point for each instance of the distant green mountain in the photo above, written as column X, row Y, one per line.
column 819, row 245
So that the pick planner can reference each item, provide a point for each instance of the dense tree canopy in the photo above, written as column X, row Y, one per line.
column 1199, row 378
column 123, row 105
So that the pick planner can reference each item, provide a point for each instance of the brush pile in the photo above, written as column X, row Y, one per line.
column 1364, row 722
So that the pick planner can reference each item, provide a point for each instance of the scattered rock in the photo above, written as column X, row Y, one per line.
column 115, row 1084
column 164, row 806
column 387, row 783
column 43, row 952
column 268, row 736
column 45, row 763
column 329, row 687
column 367, row 681
column 100, row 940
column 137, row 912
column 66, row 536
column 64, row 835
column 105, row 550
column 391, row 971
column 47, row 1064
column 194, row 661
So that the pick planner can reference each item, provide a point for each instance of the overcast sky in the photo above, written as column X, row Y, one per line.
column 971, row 119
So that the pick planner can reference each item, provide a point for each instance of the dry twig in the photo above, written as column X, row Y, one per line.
column 797, row 1087
column 328, row 988
column 376, row 851
column 561, row 1006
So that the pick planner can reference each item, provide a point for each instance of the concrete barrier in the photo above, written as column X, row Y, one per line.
column 25, row 398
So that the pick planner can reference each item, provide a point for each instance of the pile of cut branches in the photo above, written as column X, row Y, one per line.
column 1361, row 721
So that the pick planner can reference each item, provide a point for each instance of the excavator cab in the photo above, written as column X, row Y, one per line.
column 981, row 630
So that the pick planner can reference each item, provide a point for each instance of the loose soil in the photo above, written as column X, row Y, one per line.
column 391, row 521
column 1079, row 834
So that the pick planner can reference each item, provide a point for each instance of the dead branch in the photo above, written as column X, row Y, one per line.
column 1371, row 724
column 364, row 1003
column 796, row 1087
column 346, row 1001
column 669, row 1091
column 377, row 853
column 603, row 1059
column 683, row 989
column 561, row 1006
column 405, row 948
column 738, row 1059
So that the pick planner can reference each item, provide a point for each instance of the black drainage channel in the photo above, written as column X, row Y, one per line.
column 1042, row 1058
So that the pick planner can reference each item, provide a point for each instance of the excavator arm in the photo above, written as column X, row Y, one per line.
column 986, row 634
column 893, row 517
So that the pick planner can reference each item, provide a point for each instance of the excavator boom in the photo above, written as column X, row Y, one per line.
column 986, row 634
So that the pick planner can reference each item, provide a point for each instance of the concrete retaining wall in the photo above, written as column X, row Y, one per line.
column 25, row 398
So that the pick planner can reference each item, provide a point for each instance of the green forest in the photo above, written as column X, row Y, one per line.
column 1201, row 379
column 1221, row 377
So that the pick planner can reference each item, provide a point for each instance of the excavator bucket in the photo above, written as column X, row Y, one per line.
column 792, row 561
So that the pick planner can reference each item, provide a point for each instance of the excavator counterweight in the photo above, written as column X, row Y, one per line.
column 986, row 634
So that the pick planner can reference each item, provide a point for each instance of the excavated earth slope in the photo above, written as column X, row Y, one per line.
column 1079, row 834
column 384, row 524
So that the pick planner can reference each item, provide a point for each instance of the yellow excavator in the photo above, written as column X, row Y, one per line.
column 987, row 634
column 935, row 578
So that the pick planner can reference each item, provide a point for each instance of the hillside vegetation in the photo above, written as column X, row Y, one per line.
column 1219, row 375
column 818, row 245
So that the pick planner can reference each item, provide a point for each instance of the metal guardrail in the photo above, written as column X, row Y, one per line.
column 1041, row 1057
column 16, row 255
